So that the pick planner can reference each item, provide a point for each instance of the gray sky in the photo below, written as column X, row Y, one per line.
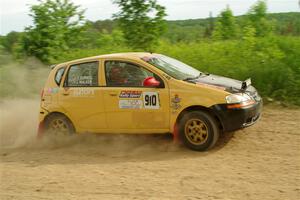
column 14, row 13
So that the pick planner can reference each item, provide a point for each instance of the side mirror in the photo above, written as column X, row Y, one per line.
column 151, row 82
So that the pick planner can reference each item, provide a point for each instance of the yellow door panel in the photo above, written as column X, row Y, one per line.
column 130, row 106
column 81, row 96
column 135, row 110
column 85, row 106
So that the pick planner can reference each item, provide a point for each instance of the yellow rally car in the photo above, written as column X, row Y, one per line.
column 142, row 93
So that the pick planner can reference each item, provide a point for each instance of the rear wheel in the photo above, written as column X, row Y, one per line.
column 198, row 130
column 58, row 124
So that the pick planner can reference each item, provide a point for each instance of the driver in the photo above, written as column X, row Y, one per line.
column 117, row 76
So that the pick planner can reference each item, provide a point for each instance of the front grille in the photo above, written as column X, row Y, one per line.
column 251, row 120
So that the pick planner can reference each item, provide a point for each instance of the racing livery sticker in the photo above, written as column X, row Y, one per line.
column 151, row 100
column 84, row 80
column 175, row 103
column 83, row 92
column 130, row 104
column 130, row 94
column 51, row 90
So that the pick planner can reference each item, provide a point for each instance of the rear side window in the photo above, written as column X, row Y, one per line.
column 83, row 75
column 59, row 74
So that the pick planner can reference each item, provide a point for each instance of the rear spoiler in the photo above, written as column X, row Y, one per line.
column 246, row 83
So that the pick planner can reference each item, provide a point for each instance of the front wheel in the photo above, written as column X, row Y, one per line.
column 198, row 130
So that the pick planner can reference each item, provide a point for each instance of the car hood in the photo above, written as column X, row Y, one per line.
column 221, row 82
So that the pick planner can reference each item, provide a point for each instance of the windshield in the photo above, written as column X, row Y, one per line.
column 172, row 67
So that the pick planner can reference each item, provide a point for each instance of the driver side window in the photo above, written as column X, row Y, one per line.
column 124, row 74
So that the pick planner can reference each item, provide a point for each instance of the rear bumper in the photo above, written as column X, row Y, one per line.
column 237, row 118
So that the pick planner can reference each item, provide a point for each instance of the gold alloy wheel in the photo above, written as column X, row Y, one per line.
column 196, row 131
column 58, row 126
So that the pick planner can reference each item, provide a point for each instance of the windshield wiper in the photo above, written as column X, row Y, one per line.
column 193, row 78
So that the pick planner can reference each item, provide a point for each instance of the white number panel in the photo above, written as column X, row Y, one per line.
column 151, row 100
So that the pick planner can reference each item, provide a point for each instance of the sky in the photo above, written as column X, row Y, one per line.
column 14, row 13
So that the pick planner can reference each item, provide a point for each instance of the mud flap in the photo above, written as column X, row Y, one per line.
column 176, row 134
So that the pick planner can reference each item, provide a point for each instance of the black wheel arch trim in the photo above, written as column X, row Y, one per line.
column 209, row 110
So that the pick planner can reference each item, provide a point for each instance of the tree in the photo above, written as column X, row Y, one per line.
column 10, row 41
column 57, row 27
column 226, row 27
column 210, row 26
column 257, row 16
column 142, row 22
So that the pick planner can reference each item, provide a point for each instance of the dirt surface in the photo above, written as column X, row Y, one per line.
column 260, row 162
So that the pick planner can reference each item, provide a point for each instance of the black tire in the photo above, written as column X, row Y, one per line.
column 198, row 130
column 67, row 127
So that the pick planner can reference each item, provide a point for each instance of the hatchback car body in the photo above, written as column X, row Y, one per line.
column 142, row 93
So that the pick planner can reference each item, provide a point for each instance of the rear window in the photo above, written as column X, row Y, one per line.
column 59, row 74
column 83, row 75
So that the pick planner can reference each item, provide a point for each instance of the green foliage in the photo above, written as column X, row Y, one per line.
column 257, row 17
column 249, row 36
column 142, row 22
column 57, row 27
column 210, row 26
column 226, row 27
column 93, row 38
column 11, row 40
column 286, row 23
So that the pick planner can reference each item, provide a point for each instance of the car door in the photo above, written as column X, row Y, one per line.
column 82, row 98
column 130, row 106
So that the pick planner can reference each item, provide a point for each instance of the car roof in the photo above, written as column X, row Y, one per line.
column 130, row 55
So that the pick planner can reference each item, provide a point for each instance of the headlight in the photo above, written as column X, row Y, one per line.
column 238, row 98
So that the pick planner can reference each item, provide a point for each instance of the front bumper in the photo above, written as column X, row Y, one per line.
column 236, row 118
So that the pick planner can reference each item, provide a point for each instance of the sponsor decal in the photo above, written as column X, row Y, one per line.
column 85, row 80
column 130, row 94
column 175, row 103
column 151, row 100
column 81, row 80
column 83, row 92
column 51, row 90
column 130, row 104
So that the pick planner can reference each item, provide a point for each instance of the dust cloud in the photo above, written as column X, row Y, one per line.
column 18, row 129
column 18, row 122
column 23, row 79
column 20, row 86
